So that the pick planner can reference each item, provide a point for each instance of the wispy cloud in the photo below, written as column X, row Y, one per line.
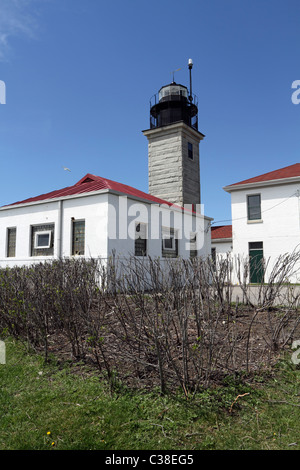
column 17, row 19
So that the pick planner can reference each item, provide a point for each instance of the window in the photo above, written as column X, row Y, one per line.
column 169, row 242
column 193, row 245
column 214, row 255
column 11, row 242
column 190, row 151
column 78, row 237
column 255, row 246
column 140, row 244
column 254, row 207
column 42, row 240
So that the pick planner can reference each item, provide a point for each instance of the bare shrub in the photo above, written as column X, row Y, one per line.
column 151, row 322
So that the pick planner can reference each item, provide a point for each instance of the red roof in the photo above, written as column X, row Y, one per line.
column 91, row 183
column 222, row 231
column 290, row 171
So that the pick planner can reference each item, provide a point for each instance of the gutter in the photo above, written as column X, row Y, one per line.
column 221, row 240
column 258, row 184
column 59, row 228
column 54, row 199
column 99, row 192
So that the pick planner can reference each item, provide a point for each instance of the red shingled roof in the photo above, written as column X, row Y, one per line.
column 91, row 183
column 286, row 172
column 222, row 231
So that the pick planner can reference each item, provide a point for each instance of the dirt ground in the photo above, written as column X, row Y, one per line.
column 144, row 352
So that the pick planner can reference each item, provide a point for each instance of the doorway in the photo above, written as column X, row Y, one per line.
column 256, row 257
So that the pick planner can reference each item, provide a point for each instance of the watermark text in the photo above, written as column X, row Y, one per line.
column 2, row 353
column 296, row 94
column 296, row 354
column 2, row 92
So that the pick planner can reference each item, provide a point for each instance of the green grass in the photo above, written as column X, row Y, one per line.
column 79, row 412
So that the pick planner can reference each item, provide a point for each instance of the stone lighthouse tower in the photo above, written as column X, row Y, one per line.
column 173, row 145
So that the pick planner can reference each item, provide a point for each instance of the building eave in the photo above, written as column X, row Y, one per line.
column 100, row 192
column 221, row 240
column 261, row 184
column 175, row 125
column 54, row 199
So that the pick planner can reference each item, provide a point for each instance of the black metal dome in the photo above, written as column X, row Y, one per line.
column 173, row 104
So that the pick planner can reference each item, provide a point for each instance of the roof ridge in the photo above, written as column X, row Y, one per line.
column 91, row 183
column 88, row 178
column 280, row 173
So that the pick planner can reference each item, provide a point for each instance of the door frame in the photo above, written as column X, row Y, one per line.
column 256, row 265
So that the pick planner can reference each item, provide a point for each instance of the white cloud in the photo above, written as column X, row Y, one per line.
column 17, row 19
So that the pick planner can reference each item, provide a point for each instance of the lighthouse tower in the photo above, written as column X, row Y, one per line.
column 173, row 145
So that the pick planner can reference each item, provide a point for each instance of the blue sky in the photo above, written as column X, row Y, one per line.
column 79, row 75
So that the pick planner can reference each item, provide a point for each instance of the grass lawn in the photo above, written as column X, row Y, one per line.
column 50, row 406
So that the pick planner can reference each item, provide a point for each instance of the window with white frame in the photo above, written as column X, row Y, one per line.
column 254, row 207
column 42, row 240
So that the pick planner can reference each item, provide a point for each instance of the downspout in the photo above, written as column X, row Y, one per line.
column 298, row 196
column 59, row 229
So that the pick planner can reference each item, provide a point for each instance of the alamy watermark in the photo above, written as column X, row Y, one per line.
column 296, row 94
column 158, row 220
column 2, row 353
column 2, row 92
column 296, row 354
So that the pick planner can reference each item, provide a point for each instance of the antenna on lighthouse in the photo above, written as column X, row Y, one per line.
column 177, row 70
column 190, row 69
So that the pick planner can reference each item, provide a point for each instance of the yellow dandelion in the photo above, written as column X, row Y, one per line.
column 48, row 433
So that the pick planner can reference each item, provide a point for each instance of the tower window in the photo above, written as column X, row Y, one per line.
column 190, row 151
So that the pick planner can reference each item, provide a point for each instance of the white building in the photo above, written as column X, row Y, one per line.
column 266, row 218
column 221, row 240
column 97, row 217
column 94, row 218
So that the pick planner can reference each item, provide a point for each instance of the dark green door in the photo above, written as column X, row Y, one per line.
column 256, row 256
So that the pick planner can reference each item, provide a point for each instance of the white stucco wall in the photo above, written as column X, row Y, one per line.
column 279, row 227
column 222, row 247
column 127, row 212
column 109, row 226
column 92, row 209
